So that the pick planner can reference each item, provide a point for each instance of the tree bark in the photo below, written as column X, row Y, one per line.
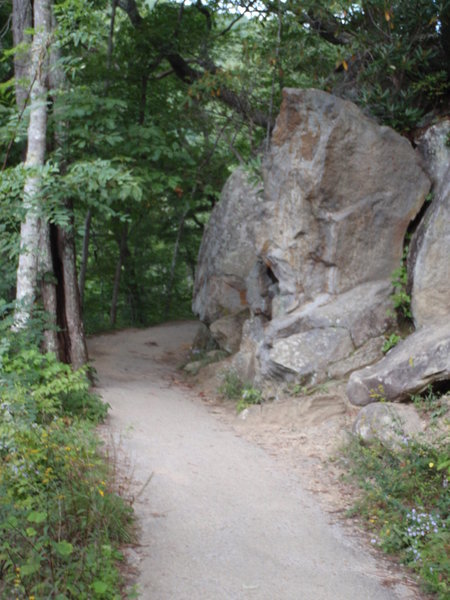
column 85, row 255
column 35, row 157
column 173, row 265
column 72, row 339
column 21, row 22
column 48, row 289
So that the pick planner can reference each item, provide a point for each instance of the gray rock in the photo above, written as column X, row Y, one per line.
column 330, row 336
column 313, row 253
column 216, row 355
column 365, row 311
column 244, row 362
column 228, row 250
column 203, row 341
column 420, row 359
column 193, row 368
column 368, row 353
column 227, row 331
column 342, row 191
column 390, row 424
column 306, row 355
column 429, row 261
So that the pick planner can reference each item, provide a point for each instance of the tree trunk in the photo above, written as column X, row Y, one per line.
column 85, row 255
column 21, row 22
column 48, row 289
column 70, row 309
column 174, row 263
column 116, row 286
column 35, row 157
column 68, row 314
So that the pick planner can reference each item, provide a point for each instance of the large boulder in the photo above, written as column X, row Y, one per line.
column 429, row 262
column 312, row 253
column 341, row 192
column 422, row 358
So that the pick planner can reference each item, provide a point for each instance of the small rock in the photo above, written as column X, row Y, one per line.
column 390, row 424
column 193, row 368
column 420, row 359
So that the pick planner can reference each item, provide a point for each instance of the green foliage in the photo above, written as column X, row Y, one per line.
column 390, row 342
column 400, row 298
column 405, row 503
column 400, row 58
column 249, row 397
column 232, row 385
column 431, row 403
column 301, row 389
column 378, row 394
column 234, row 388
column 60, row 518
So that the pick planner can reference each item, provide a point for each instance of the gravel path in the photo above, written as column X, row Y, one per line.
column 220, row 520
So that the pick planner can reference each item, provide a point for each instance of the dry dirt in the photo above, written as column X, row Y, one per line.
column 232, row 507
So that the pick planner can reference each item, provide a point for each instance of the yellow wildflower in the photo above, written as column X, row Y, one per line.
column 431, row 465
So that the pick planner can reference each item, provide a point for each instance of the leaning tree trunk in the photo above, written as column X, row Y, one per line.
column 35, row 157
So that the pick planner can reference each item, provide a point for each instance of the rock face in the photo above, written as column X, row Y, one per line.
column 420, row 359
column 429, row 262
column 312, row 253
column 342, row 191
column 227, row 331
column 228, row 250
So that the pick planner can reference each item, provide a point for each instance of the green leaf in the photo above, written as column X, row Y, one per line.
column 64, row 548
column 30, row 567
column 37, row 517
column 30, row 531
column 100, row 587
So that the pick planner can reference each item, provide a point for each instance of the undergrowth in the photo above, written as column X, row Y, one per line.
column 61, row 522
column 234, row 388
column 405, row 503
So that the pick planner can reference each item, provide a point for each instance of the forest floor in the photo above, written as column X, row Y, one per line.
column 229, row 507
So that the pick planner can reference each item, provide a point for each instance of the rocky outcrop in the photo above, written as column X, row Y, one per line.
column 429, row 261
column 312, row 253
column 422, row 358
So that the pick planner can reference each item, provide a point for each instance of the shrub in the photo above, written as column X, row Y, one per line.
column 406, row 505
column 231, row 386
column 60, row 519
column 249, row 396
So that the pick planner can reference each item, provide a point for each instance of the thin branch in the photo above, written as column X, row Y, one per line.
column 236, row 19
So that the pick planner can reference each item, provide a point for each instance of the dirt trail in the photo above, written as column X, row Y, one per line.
column 220, row 518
